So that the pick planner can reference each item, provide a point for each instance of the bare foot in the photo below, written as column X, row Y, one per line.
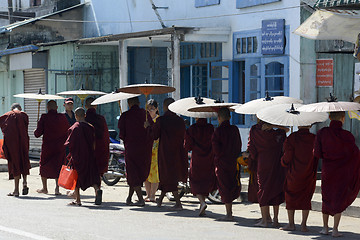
column 70, row 194
column 158, row 203
column 139, row 203
column 276, row 224
column 202, row 209
column 304, row 228
column 58, row 193
column 75, row 203
column 261, row 224
column 42, row 191
column 324, row 231
column 176, row 208
column 129, row 202
column 335, row 233
column 226, row 218
column 288, row 227
column 13, row 194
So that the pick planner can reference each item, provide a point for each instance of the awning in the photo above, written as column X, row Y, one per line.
column 27, row 48
column 331, row 25
column 335, row 3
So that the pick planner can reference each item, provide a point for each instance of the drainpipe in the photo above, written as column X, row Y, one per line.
column 10, row 10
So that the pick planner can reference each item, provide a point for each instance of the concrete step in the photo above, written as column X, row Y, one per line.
column 4, row 168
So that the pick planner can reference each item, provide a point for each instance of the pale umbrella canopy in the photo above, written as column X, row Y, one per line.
column 81, row 93
column 252, row 107
column 182, row 107
column 212, row 107
column 332, row 105
column 113, row 97
column 287, row 115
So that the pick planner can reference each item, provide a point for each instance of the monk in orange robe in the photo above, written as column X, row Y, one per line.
column 301, row 171
column 172, row 157
column 81, row 143
column 53, row 126
column 202, row 170
column 226, row 144
column 14, row 125
column 340, row 173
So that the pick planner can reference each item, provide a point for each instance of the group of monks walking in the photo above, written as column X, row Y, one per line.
column 282, row 169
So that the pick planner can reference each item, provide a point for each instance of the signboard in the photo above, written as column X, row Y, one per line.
column 324, row 72
column 273, row 37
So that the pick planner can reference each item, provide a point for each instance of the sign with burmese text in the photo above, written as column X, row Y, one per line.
column 273, row 37
column 324, row 72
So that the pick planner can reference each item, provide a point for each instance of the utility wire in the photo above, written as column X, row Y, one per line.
column 171, row 20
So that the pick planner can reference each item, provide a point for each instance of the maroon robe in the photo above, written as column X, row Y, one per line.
column 138, row 145
column 102, row 152
column 301, row 171
column 202, row 170
column 253, row 186
column 172, row 157
column 14, row 125
column 340, row 173
column 226, row 144
column 81, row 143
column 53, row 126
column 266, row 148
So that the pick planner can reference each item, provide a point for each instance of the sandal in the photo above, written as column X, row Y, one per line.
column 98, row 198
column 75, row 203
column 25, row 190
column 13, row 194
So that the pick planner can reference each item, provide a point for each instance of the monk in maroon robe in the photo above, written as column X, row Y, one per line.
column 301, row 171
column 172, row 157
column 266, row 148
column 202, row 170
column 340, row 173
column 226, row 144
column 102, row 152
column 53, row 126
column 138, row 148
column 81, row 143
column 14, row 125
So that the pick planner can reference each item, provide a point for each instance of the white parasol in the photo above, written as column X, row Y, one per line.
column 182, row 107
column 252, row 107
column 213, row 107
column 287, row 115
column 332, row 105
column 81, row 93
column 113, row 97
column 39, row 97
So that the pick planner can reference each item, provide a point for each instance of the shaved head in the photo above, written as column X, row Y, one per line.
column 224, row 113
column 51, row 105
column 80, row 114
column 167, row 102
column 336, row 115
column 133, row 101
column 16, row 106
column 88, row 102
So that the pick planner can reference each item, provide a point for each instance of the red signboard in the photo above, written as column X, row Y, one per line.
column 324, row 72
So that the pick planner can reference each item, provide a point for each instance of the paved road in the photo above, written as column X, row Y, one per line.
column 38, row 216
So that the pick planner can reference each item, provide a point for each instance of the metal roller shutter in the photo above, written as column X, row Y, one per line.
column 34, row 79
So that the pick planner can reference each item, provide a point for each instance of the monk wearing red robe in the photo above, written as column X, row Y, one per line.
column 202, row 170
column 138, row 148
column 81, row 143
column 340, row 173
column 226, row 144
column 14, row 125
column 266, row 148
column 300, row 181
column 53, row 126
column 102, row 152
column 172, row 157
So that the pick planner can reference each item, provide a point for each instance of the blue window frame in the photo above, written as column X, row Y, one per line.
column 261, row 72
column 251, row 3
column 204, row 3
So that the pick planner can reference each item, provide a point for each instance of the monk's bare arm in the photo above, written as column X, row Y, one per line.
column 40, row 127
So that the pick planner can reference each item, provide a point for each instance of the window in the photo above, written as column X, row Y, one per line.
column 246, row 45
column 200, row 52
column 250, row 3
column 35, row 3
column 204, row 3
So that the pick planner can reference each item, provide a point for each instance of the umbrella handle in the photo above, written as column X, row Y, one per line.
column 39, row 102
column 120, row 107
column 146, row 100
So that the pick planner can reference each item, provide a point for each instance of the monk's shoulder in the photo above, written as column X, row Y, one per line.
column 348, row 135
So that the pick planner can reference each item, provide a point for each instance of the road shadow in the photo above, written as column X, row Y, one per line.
column 104, row 206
